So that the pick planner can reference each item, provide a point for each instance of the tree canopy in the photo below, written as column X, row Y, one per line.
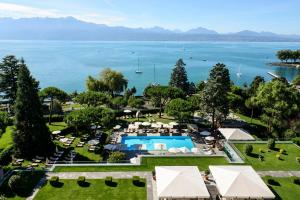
column 92, row 98
column 179, row 109
column 53, row 93
column 9, row 68
column 161, row 95
column 215, row 101
column 280, row 102
column 179, row 77
column 286, row 55
column 32, row 136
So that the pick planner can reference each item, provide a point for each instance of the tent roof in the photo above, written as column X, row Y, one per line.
column 240, row 181
column 235, row 134
column 180, row 182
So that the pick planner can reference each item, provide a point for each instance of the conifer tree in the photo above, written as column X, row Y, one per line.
column 32, row 136
column 179, row 77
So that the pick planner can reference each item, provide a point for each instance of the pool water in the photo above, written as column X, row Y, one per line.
column 148, row 142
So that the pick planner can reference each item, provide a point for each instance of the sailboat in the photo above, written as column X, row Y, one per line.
column 239, row 74
column 138, row 71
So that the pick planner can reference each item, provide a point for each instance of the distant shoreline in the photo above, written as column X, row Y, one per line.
column 284, row 64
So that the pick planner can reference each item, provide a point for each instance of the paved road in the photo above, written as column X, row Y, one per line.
column 279, row 173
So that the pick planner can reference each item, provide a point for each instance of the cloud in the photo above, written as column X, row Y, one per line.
column 21, row 11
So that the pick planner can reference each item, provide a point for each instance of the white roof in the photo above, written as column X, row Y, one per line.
column 235, row 134
column 180, row 182
column 240, row 181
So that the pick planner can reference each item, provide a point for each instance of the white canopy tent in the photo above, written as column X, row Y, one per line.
column 240, row 182
column 235, row 134
column 180, row 182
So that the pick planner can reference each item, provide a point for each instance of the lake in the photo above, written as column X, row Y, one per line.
column 66, row 64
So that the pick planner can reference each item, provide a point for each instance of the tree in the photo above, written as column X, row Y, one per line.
column 248, row 149
column 296, row 81
column 114, row 80
column 271, row 144
column 96, row 85
column 179, row 109
column 116, row 157
column 135, row 102
column 53, row 93
column 255, row 84
column 92, row 98
column 215, row 100
column 119, row 102
column 179, row 77
column 32, row 136
column 92, row 115
column 9, row 68
column 161, row 95
column 251, row 104
column 280, row 102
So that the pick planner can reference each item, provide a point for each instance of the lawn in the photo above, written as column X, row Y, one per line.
column 97, row 189
column 283, row 188
column 270, row 162
column 57, row 126
column 6, row 139
column 247, row 119
column 148, row 164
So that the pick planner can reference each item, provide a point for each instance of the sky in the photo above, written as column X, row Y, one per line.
column 224, row 16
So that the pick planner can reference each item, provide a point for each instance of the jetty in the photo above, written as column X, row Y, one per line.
column 274, row 75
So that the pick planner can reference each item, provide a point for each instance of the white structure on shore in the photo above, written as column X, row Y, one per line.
column 235, row 134
column 180, row 182
column 240, row 182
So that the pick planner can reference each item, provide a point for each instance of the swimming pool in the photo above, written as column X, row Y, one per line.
column 151, row 142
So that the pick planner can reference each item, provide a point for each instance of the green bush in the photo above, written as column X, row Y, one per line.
column 282, row 151
column 296, row 180
column 108, row 180
column 207, row 172
column 116, row 157
column 298, row 159
column 15, row 183
column 5, row 156
column 261, row 150
column 296, row 140
column 81, row 180
column 271, row 143
column 54, row 180
column 248, row 149
column 278, row 156
column 135, row 180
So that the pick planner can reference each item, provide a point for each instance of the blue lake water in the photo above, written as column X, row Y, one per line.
column 150, row 141
column 66, row 64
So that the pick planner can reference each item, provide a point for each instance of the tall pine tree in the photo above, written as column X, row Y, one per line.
column 215, row 101
column 9, row 68
column 32, row 136
column 179, row 77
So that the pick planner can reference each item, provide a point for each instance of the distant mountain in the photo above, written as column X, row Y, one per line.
column 70, row 28
column 201, row 30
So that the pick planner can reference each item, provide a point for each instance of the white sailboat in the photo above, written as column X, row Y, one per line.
column 239, row 74
column 138, row 71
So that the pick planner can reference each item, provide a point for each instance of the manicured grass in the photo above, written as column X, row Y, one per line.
column 285, row 188
column 6, row 139
column 270, row 162
column 96, row 189
column 148, row 164
column 57, row 126
column 247, row 119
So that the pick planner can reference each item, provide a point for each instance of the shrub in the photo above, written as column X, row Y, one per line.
column 207, row 172
column 296, row 180
column 135, row 180
column 81, row 180
column 54, row 180
column 273, row 182
column 278, row 156
column 108, row 180
column 282, row 151
column 248, row 149
column 296, row 140
column 260, row 157
column 271, row 143
column 15, row 183
column 5, row 156
column 261, row 150
column 116, row 156
column 298, row 159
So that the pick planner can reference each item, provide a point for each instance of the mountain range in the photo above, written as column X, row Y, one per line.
column 70, row 28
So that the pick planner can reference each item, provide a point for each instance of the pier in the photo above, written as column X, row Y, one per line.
column 274, row 75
